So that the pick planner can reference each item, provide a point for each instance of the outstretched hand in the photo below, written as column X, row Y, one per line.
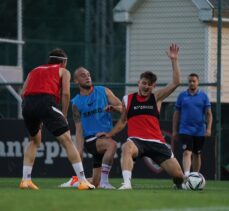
column 172, row 52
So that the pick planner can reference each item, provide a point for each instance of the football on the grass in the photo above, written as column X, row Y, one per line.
column 195, row 181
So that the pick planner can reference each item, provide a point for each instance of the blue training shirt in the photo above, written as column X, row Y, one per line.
column 91, row 107
column 192, row 110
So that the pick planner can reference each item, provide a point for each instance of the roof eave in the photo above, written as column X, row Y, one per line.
column 121, row 16
column 123, row 8
column 205, row 10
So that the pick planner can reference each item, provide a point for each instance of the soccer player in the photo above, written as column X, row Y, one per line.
column 141, row 113
column 193, row 111
column 44, row 88
column 91, row 113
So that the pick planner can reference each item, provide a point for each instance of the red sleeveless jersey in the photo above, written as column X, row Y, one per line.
column 143, row 118
column 44, row 79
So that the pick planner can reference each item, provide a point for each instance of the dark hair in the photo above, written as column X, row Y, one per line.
column 57, row 56
column 149, row 76
column 194, row 75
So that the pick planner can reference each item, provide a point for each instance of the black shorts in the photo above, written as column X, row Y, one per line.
column 192, row 143
column 37, row 109
column 158, row 152
column 91, row 148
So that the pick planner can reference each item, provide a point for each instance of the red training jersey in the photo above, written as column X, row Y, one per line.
column 44, row 79
column 143, row 118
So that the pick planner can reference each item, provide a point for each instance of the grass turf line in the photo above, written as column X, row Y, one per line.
column 147, row 195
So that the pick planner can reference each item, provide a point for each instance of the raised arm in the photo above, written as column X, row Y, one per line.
column 161, row 94
column 114, row 103
column 79, row 130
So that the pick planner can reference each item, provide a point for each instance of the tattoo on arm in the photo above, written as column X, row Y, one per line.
column 76, row 114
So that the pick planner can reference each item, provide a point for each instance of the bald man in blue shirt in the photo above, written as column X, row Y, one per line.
column 91, row 110
column 192, row 120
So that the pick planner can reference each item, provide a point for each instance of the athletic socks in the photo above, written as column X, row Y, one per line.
column 126, row 177
column 105, row 174
column 27, row 170
column 186, row 173
column 78, row 168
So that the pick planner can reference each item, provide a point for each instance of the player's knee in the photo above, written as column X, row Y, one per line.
column 187, row 153
column 36, row 142
column 113, row 146
column 126, row 148
column 65, row 139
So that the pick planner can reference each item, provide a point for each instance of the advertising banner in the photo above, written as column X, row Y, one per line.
column 51, row 159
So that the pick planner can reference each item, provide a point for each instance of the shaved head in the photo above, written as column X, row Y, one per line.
column 78, row 71
column 83, row 78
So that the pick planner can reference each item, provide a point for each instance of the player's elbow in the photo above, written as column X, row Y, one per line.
column 65, row 95
column 176, row 83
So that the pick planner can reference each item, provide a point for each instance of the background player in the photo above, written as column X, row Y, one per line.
column 193, row 113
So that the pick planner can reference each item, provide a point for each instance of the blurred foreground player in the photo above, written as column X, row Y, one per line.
column 44, row 88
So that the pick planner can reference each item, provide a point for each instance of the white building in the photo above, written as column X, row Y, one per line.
column 152, row 25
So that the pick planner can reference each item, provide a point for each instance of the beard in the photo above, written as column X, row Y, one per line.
column 192, row 88
column 86, row 86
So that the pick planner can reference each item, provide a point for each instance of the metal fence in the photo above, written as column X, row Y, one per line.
column 116, row 51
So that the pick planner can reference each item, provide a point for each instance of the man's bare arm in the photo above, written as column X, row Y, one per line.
column 65, row 92
column 120, row 125
column 161, row 94
column 79, row 130
column 24, row 86
column 114, row 103
column 209, row 122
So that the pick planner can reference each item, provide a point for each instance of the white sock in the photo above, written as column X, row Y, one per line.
column 27, row 170
column 78, row 168
column 105, row 173
column 126, row 177
column 186, row 173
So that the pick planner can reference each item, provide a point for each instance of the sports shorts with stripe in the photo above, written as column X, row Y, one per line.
column 90, row 145
column 158, row 152
column 37, row 109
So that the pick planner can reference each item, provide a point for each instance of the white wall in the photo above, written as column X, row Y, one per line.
column 156, row 24
column 224, row 63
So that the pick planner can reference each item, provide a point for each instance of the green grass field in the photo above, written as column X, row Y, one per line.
column 147, row 195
